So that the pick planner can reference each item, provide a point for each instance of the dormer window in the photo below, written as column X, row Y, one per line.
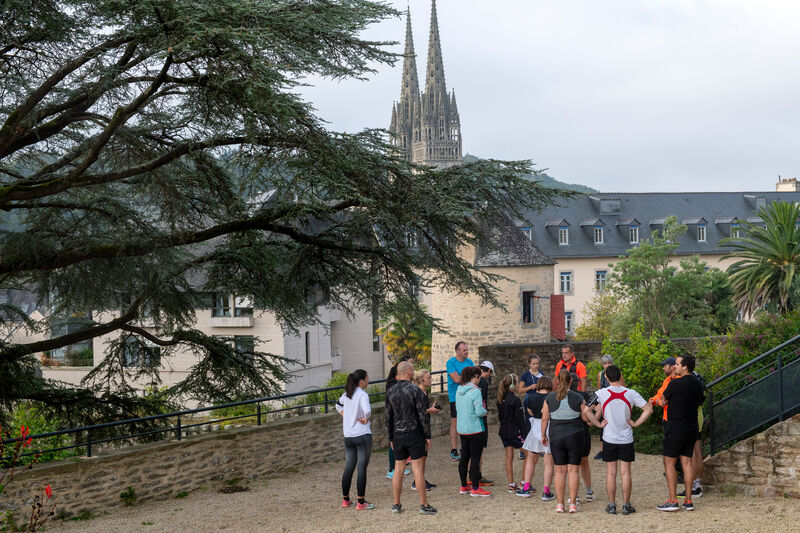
column 527, row 231
column 735, row 231
column 598, row 235
column 701, row 233
column 563, row 236
column 633, row 234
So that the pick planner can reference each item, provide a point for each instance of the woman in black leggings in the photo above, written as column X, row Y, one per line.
column 355, row 410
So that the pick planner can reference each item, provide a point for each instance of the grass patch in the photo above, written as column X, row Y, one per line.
column 147, row 523
column 182, row 494
column 84, row 515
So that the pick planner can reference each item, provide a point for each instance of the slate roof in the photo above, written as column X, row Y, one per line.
column 723, row 208
column 510, row 247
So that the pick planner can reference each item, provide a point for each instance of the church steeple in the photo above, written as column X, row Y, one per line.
column 410, row 82
column 425, row 126
column 434, row 75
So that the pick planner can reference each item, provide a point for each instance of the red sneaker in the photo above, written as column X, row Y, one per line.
column 463, row 490
column 480, row 491
column 347, row 503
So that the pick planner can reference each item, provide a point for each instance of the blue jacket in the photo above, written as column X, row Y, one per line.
column 470, row 409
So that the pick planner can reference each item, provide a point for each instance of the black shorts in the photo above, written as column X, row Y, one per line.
column 675, row 444
column 618, row 452
column 512, row 443
column 567, row 450
column 406, row 446
column 587, row 443
column 452, row 409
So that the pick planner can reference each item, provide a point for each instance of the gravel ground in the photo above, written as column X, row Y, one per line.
column 310, row 500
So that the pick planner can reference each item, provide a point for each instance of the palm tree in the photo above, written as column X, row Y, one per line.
column 766, row 274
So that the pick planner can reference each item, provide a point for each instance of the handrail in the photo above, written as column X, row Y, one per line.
column 178, row 414
column 752, row 361
column 780, row 362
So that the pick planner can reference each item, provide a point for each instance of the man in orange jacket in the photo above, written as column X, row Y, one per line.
column 668, row 365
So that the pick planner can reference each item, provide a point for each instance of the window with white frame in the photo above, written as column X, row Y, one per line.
column 566, row 282
column 568, row 321
column 701, row 233
column 600, row 277
column 563, row 236
column 527, row 231
column 633, row 234
column 225, row 305
column 735, row 231
column 598, row 234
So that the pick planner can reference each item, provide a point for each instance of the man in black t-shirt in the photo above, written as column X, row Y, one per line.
column 683, row 394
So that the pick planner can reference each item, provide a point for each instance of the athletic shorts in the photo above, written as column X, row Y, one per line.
column 512, row 443
column 409, row 446
column 453, row 409
column 675, row 444
column 618, row 452
column 567, row 450
column 587, row 444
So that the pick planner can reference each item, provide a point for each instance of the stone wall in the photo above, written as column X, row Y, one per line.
column 508, row 358
column 767, row 464
column 477, row 324
column 162, row 470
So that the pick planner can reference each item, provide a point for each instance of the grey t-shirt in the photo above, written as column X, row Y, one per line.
column 565, row 415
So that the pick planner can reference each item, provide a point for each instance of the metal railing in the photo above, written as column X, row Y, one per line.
column 157, row 427
column 758, row 393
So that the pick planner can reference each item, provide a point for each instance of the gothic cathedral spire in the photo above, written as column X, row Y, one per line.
column 426, row 127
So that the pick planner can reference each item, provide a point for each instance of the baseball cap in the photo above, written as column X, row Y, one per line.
column 668, row 361
column 488, row 364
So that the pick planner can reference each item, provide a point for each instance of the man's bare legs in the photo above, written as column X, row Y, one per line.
column 453, row 434
column 418, row 467
column 611, row 481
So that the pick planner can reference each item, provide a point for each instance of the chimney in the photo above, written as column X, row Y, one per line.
column 787, row 185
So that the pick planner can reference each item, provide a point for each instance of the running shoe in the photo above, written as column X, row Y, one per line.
column 427, row 509
column 486, row 482
column 627, row 509
column 347, row 503
column 454, row 456
column 577, row 500
column 512, row 488
column 390, row 474
column 522, row 493
column 696, row 493
column 397, row 508
column 479, row 492
column 589, row 496
column 611, row 508
column 428, row 486
column 573, row 508
column 464, row 490
column 366, row 506
column 688, row 506
column 547, row 496
column 559, row 507
column 599, row 456
column 669, row 506
column 522, row 455
column 406, row 472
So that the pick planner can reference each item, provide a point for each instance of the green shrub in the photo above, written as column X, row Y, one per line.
column 83, row 357
column 128, row 496
column 339, row 379
column 29, row 415
column 638, row 359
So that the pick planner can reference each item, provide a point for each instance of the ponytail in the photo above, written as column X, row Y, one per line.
column 353, row 379
column 564, row 380
column 507, row 385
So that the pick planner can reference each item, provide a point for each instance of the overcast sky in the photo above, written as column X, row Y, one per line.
column 620, row 95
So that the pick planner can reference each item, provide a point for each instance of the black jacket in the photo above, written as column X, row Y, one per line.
column 512, row 422
column 406, row 407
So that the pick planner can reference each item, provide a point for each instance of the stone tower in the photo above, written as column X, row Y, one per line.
column 426, row 125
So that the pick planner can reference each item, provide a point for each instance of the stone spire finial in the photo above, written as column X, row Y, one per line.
column 454, row 108
column 434, row 76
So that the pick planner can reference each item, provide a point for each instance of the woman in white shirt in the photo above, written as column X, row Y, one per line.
column 355, row 410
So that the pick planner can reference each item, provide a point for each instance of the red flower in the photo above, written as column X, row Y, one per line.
column 23, row 431
column 48, row 491
column 28, row 442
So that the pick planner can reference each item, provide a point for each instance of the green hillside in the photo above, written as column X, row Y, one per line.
column 545, row 180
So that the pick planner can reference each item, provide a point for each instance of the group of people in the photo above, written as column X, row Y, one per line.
column 551, row 421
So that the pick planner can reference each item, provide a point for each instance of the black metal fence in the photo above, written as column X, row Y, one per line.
column 756, row 394
column 174, row 425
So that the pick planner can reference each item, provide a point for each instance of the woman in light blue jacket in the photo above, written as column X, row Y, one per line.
column 470, row 408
